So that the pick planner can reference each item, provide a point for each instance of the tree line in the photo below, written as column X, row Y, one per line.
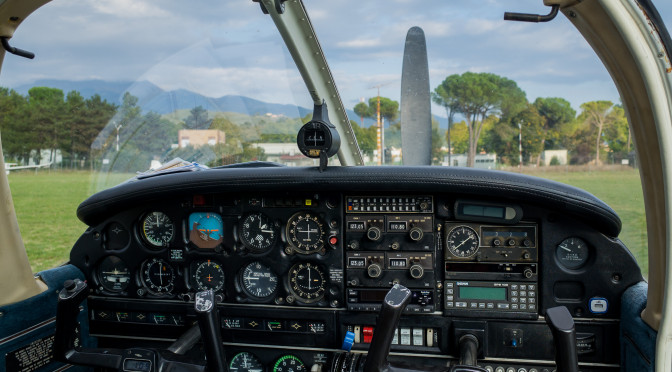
column 495, row 114
column 46, row 119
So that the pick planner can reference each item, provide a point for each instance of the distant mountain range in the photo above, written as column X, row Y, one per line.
column 153, row 98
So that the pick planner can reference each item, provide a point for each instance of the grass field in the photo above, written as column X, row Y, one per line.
column 46, row 203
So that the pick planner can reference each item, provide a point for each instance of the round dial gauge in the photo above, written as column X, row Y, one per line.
column 245, row 362
column 462, row 242
column 208, row 275
column 306, row 281
column 305, row 232
column 157, row 229
column 258, row 280
column 158, row 277
column 113, row 274
column 572, row 253
column 289, row 363
column 258, row 232
column 206, row 229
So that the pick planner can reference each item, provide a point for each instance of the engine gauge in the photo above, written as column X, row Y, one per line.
column 157, row 229
column 305, row 232
column 258, row 280
column 208, row 275
column 245, row 362
column 306, row 281
column 258, row 232
column 206, row 229
column 462, row 242
column 572, row 253
column 113, row 274
column 158, row 277
column 289, row 363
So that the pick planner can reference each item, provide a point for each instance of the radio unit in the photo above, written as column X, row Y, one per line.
column 491, row 299
column 422, row 301
column 384, row 269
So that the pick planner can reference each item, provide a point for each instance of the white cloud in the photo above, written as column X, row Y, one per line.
column 359, row 43
column 128, row 8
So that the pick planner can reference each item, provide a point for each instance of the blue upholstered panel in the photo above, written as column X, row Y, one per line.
column 31, row 320
column 638, row 340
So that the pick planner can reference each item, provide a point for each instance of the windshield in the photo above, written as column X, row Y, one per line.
column 141, row 84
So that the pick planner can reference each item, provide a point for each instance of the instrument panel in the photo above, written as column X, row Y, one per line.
column 301, row 269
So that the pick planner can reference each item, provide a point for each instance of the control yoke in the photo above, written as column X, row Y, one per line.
column 388, row 320
column 137, row 359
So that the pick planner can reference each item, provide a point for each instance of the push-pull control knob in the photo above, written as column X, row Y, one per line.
column 415, row 234
column 374, row 233
column 374, row 270
column 416, row 271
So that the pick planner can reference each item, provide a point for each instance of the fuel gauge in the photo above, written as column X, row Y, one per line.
column 572, row 253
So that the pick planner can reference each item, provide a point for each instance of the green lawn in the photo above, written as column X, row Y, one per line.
column 46, row 204
column 622, row 191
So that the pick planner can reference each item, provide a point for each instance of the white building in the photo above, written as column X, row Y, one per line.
column 548, row 155
column 482, row 161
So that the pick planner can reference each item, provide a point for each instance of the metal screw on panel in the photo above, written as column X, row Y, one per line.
column 290, row 299
column 288, row 250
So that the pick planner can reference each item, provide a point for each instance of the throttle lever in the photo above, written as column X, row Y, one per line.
column 388, row 320
column 208, row 321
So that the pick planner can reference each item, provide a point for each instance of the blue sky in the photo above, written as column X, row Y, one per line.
column 204, row 46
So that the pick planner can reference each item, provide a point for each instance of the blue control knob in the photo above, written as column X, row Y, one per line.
column 348, row 341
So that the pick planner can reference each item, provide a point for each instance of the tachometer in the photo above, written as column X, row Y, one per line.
column 305, row 232
column 462, row 242
column 158, row 276
column 258, row 232
column 208, row 275
column 206, row 229
column 258, row 280
column 289, row 363
column 157, row 229
column 245, row 362
column 306, row 281
column 113, row 274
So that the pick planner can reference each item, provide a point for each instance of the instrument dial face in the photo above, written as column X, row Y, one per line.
column 258, row 232
column 462, row 242
column 258, row 280
column 113, row 274
column 305, row 232
column 245, row 362
column 157, row 229
column 572, row 253
column 289, row 363
column 206, row 229
column 306, row 281
column 209, row 275
column 158, row 277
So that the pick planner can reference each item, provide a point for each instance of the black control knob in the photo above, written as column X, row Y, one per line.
column 374, row 233
column 416, row 271
column 374, row 270
column 528, row 272
column 415, row 234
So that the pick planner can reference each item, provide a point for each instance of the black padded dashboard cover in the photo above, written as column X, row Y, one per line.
column 467, row 182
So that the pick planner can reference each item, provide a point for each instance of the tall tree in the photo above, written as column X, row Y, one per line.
column 46, row 108
column 596, row 114
column 477, row 96
column 556, row 112
column 617, row 134
column 366, row 137
column 197, row 119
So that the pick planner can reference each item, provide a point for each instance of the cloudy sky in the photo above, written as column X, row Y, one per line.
column 229, row 47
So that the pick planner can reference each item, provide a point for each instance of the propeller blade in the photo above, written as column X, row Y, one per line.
column 416, row 122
